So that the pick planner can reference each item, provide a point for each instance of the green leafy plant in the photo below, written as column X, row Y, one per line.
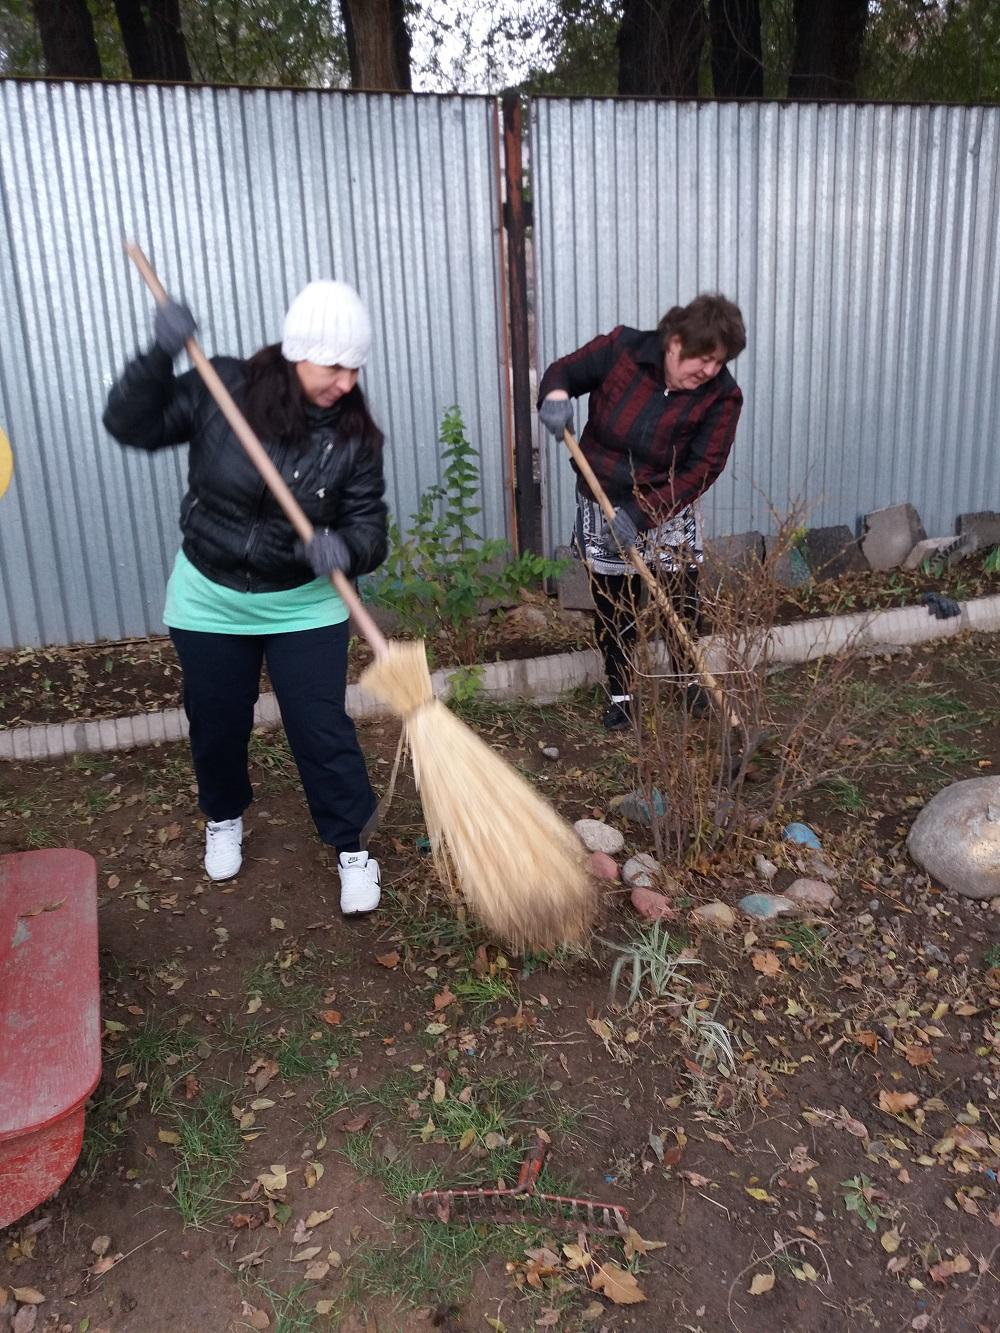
column 441, row 574
column 859, row 1197
column 654, row 959
column 991, row 565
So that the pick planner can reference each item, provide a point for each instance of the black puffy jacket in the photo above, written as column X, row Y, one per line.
column 234, row 531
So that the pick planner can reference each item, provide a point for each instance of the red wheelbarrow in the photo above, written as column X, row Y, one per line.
column 50, row 1026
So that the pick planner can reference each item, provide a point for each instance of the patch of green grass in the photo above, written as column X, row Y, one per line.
column 270, row 751
column 991, row 958
column 924, row 723
column 425, row 927
column 332, row 1098
column 208, row 1152
column 156, row 1054
column 103, row 1126
column 844, row 795
column 805, row 941
column 436, row 1267
column 286, row 987
column 486, row 991
column 374, row 1157
column 991, row 563
column 309, row 1051
column 492, row 1108
column 288, row 1310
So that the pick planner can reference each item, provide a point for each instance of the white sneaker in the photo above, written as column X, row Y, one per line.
column 360, row 883
column 223, row 848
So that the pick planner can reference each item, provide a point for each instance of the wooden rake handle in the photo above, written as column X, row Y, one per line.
column 258, row 454
column 689, row 645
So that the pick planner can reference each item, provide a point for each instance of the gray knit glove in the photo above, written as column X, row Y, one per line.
column 326, row 552
column 173, row 325
column 556, row 414
column 621, row 534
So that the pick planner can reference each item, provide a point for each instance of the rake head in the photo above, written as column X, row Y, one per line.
column 521, row 1203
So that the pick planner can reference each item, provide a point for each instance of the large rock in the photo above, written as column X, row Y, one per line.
column 574, row 583
column 983, row 527
column 832, row 552
column 731, row 560
column 642, row 871
column 787, row 563
column 597, row 836
column 651, row 905
column 956, row 837
column 890, row 534
column 811, row 893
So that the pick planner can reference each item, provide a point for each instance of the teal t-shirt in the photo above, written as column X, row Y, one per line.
column 195, row 602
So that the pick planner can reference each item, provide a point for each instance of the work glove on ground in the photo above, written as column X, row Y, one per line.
column 173, row 325
column 327, row 551
column 621, row 534
column 556, row 414
column 944, row 608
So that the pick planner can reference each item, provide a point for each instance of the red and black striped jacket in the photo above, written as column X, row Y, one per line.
column 653, row 452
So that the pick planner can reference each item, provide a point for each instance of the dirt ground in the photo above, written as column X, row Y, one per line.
column 277, row 1080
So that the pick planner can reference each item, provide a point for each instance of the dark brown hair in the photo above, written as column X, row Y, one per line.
column 277, row 408
column 709, row 321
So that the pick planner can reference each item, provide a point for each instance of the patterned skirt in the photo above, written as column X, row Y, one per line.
column 675, row 545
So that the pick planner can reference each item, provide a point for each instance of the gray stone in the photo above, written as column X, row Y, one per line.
column 717, row 914
column 787, row 563
column 550, row 752
column 597, row 836
column 890, row 534
column 766, row 906
column 832, row 552
column 956, row 837
column 641, row 871
column 940, row 551
column 574, row 583
column 983, row 527
column 731, row 560
column 811, row 893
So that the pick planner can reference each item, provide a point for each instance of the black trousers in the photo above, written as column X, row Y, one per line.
column 308, row 670
column 616, row 598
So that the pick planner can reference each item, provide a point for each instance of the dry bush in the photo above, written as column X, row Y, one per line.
column 796, row 727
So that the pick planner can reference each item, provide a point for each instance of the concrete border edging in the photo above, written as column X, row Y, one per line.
column 540, row 679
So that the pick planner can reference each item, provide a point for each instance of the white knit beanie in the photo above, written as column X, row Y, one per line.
column 328, row 325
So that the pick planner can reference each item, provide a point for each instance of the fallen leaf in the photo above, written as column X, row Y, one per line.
column 940, row 1272
column 438, row 1095
column 28, row 1296
column 467, row 1140
column 389, row 960
column 493, row 1141
column 890, row 1241
column 766, row 961
column 169, row 1136
column 254, row 1005
column 548, row 1318
column 577, row 1257
column 100, row 1245
column 313, row 1174
column 106, row 1264
column 600, row 1028
column 324, row 1307
column 593, row 1312
column 634, row 1244
column 25, row 1319
column 895, row 1102
column 617, row 1284
column 762, row 1282
column 761, row 1195
column 275, row 1179
column 355, row 1124
column 317, row 1271
column 303, row 1256
column 191, row 1088
column 918, row 1055
column 695, row 1179
column 258, row 1318
column 443, row 999
column 277, row 923
column 317, row 1219
column 331, row 1017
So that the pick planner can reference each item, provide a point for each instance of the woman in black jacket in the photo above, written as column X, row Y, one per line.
column 243, row 590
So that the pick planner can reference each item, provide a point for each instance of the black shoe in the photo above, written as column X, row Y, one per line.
column 617, row 717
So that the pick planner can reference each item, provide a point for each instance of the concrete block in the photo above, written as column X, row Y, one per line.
column 983, row 527
column 940, row 550
column 890, row 534
column 789, row 565
column 574, row 583
column 728, row 560
column 832, row 552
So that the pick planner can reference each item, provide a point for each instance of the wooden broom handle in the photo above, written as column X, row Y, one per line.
column 662, row 600
column 272, row 477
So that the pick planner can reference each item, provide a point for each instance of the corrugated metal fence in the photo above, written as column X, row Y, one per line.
column 861, row 243
column 240, row 198
column 859, row 240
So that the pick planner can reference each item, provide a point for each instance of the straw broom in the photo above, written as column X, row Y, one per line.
column 519, row 867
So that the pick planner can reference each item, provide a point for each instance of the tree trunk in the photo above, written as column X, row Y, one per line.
column 132, row 22
column 659, row 47
column 829, row 35
column 378, row 43
column 737, row 65
column 166, row 42
column 68, row 43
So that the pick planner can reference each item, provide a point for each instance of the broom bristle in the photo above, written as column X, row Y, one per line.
column 520, row 868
